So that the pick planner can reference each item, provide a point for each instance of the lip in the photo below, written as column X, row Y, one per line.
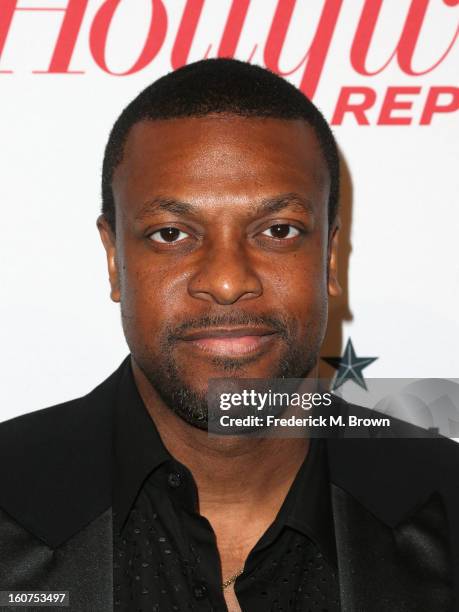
column 231, row 342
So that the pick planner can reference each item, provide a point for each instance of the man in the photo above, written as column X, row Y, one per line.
column 220, row 194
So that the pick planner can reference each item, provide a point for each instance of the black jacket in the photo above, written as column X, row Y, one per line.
column 395, row 507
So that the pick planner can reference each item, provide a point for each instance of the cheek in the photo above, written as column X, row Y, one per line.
column 300, row 286
column 149, row 293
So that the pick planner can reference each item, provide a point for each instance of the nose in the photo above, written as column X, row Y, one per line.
column 225, row 277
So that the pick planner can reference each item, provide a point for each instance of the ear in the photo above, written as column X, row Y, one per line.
column 108, row 239
column 334, row 288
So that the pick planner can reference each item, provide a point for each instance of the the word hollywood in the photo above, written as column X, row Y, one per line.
column 395, row 103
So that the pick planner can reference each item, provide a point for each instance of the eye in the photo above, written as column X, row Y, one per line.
column 282, row 231
column 168, row 235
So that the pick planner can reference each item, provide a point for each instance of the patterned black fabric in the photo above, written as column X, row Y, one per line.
column 165, row 553
column 166, row 559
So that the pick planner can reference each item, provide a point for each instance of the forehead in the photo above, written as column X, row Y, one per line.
column 211, row 156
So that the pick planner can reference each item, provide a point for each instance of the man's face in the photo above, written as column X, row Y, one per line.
column 222, row 258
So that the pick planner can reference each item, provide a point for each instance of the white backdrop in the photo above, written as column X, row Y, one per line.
column 60, row 333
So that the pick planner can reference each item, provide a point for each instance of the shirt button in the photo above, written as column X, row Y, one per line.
column 200, row 591
column 174, row 479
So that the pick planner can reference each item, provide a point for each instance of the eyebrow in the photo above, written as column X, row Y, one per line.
column 265, row 206
column 168, row 204
column 285, row 200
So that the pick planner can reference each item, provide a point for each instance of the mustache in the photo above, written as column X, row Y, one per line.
column 278, row 323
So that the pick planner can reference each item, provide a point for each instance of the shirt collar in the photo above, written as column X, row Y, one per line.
column 139, row 450
column 311, row 510
column 395, row 477
column 138, row 447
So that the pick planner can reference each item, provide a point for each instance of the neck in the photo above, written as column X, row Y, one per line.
column 229, row 471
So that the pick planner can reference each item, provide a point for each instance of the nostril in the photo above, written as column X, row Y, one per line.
column 225, row 284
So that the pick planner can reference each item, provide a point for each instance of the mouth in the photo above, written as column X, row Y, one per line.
column 231, row 342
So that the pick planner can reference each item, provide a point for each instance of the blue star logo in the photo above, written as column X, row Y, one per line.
column 349, row 367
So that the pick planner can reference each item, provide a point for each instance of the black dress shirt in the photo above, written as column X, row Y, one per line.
column 165, row 553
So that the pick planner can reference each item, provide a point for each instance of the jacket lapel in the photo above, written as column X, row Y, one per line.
column 56, row 499
column 83, row 565
column 405, row 568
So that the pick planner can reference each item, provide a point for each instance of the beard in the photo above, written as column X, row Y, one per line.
column 297, row 359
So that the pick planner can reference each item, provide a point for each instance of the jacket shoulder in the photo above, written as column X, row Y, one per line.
column 56, row 463
column 54, row 423
column 391, row 474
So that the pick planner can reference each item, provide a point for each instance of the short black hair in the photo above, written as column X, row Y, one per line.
column 225, row 86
